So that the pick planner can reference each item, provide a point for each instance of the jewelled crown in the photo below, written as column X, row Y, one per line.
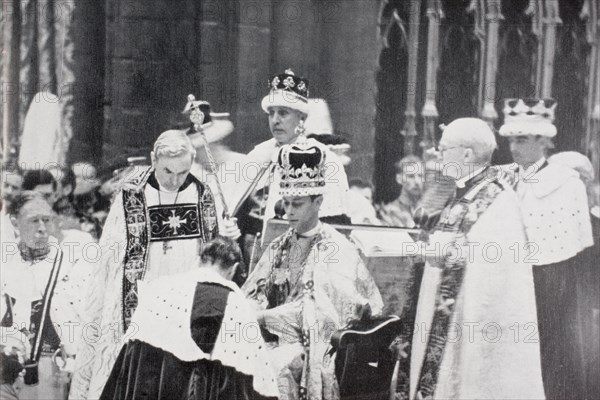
column 302, row 168
column 287, row 90
column 529, row 117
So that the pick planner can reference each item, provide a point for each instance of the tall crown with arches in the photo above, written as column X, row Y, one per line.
column 302, row 168
column 529, row 117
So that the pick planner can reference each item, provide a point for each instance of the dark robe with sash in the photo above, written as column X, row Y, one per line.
column 556, row 217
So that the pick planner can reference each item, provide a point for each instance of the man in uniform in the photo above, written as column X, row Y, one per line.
column 310, row 282
column 474, row 336
column 556, row 217
column 155, row 227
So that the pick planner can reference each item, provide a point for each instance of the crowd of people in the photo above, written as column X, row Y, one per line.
column 149, row 285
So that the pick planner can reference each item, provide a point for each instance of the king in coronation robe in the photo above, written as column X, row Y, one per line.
column 309, row 283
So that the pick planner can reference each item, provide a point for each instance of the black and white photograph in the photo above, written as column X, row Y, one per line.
column 300, row 200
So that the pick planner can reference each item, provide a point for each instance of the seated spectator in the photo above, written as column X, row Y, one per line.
column 42, row 181
column 73, row 215
column 65, row 185
column 86, row 178
column 11, row 186
column 363, row 188
column 11, row 375
column 409, row 175
column 359, row 205
column 88, row 200
column 194, row 336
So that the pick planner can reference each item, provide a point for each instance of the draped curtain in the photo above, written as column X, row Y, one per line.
column 37, row 56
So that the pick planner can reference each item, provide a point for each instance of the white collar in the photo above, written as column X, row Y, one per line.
column 208, row 273
column 164, row 190
column 205, row 274
column 311, row 232
column 462, row 181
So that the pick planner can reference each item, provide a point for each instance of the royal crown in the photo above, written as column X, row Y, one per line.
column 302, row 168
column 287, row 90
column 288, row 81
column 529, row 117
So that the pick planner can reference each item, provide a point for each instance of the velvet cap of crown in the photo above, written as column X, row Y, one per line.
column 287, row 90
column 302, row 169
column 529, row 117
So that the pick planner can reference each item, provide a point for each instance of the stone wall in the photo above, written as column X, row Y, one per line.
column 224, row 51
column 89, row 48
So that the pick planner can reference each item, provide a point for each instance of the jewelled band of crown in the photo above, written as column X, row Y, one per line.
column 302, row 170
column 289, row 82
column 287, row 90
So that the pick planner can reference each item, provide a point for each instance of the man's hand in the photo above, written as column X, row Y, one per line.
column 230, row 229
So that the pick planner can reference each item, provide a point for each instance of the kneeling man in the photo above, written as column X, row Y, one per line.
column 194, row 336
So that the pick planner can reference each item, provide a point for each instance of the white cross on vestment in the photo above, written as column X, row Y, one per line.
column 175, row 221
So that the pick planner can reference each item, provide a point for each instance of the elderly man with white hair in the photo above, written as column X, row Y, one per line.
column 473, row 336
column 155, row 227
column 557, row 221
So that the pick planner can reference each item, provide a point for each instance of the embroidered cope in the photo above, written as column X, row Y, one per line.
column 143, row 239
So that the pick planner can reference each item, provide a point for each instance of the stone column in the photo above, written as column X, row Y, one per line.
column 151, row 67
column 11, row 14
column 88, row 68
column 349, row 54
column 251, row 72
